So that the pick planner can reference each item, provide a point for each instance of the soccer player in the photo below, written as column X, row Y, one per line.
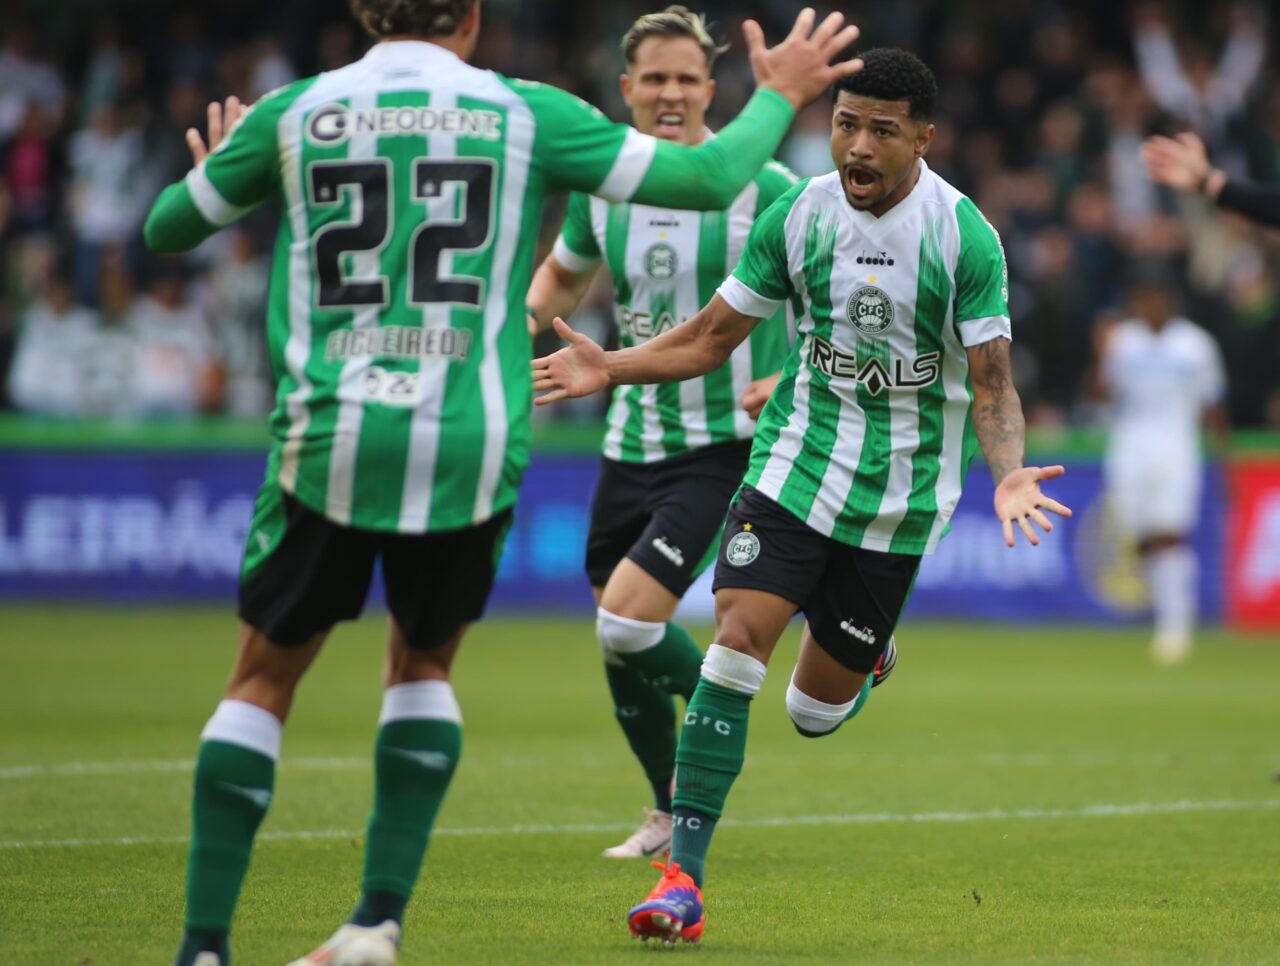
column 411, row 185
column 1164, row 376
column 673, row 455
column 901, row 360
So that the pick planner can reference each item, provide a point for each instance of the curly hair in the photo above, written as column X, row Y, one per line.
column 675, row 21
column 891, row 74
column 420, row 18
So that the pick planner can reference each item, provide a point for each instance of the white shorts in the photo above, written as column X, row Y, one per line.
column 1152, row 497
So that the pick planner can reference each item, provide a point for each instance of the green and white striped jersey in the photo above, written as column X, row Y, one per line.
column 868, row 436
column 412, row 187
column 666, row 265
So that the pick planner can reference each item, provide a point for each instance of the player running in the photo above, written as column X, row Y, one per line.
column 412, row 186
column 673, row 455
column 902, row 358
column 1165, row 379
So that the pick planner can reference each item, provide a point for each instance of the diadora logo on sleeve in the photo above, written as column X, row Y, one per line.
column 874, row 374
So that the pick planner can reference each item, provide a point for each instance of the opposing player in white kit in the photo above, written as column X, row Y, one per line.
column 1164, row 376
column 900, row 372
column 673, row 455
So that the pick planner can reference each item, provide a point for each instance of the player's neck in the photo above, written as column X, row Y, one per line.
column 454, row 43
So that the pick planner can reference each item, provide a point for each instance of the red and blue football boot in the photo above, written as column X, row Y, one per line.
column 672, row 910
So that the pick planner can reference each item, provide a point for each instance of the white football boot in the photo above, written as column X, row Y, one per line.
column 653, row 837
column 355, row 945
column 207, row 959
column 1170, row 648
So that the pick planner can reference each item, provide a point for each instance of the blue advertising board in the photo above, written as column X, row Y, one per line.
column 136, row 527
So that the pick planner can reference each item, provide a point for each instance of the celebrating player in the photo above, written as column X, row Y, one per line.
column 673, row 455
column 902, row 356
column 1164, row 376
column 412, row 186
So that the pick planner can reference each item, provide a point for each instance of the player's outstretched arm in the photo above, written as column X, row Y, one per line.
column 578, row 149
column 1001, row 430
column 691, row 349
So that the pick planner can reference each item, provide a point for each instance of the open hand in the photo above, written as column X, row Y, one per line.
column 221, row 121
column 800, row 67
column 1019, row 500
column 1180, row 163
column 577, row 370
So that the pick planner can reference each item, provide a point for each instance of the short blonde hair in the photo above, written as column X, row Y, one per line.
column 675, row 21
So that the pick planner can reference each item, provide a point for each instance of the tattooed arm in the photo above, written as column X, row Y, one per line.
column 997, row 410
column 997, row 419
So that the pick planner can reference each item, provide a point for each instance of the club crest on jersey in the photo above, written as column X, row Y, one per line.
column 743, row 548
column 870, row 310
column 661, row 262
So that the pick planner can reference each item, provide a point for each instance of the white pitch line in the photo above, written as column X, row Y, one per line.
column 1085, row 759
column 72, row 769
column 1108, row 810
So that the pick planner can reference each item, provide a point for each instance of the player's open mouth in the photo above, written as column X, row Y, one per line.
column 669, row 125
column 859, row 181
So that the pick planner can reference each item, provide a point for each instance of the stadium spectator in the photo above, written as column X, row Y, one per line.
column 175, row 370
column 235, row 299
column 56, row 342
column 107, row 198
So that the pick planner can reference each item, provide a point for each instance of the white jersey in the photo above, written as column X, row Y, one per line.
column 1161, row 383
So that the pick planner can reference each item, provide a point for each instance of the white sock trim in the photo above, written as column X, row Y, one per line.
column 813, row 715
column 247, row 725
column 625, row 635
column 420, row 699
column 733, row 669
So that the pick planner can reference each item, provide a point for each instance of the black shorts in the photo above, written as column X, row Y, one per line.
column 851, row 597
column 665, row 516
column 303, row 573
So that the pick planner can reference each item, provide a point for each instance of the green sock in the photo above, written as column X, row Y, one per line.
column 233, row 786
column 647, row 717
column 674, row 664
column 709, row 757
column 414, row 759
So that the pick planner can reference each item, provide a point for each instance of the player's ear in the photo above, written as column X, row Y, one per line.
column 711, row 92
column 924, row 137
column 624, row 81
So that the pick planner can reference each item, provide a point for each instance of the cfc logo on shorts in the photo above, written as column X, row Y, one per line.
column 743, row 548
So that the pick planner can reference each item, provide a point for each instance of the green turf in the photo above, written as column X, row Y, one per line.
column 898, row 840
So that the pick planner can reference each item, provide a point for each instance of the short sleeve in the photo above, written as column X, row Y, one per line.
column 982, row 280
column 761, row 282
column 576, row 247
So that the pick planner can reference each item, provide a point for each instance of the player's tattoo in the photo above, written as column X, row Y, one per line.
column 997, row 410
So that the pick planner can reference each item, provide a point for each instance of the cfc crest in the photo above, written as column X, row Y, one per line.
column 870, row 310
column 660, row 262
column 743, row 548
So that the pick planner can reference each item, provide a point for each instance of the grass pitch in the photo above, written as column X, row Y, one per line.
column 1013, row 795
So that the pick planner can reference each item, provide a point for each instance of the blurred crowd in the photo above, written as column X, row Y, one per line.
column 1043, row 108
